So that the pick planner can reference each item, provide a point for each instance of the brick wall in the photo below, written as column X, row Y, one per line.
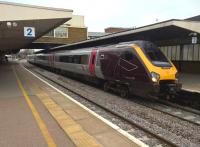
column 115, row 30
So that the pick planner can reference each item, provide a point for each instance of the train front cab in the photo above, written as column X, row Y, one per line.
column 162, row 72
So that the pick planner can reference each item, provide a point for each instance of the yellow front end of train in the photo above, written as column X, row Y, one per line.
column 163, row 73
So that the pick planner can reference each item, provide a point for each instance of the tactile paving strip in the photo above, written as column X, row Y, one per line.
column 73, row 130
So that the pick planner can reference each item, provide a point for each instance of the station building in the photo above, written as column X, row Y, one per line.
column 49, row 27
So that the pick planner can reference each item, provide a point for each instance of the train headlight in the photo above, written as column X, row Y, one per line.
column 155, row 77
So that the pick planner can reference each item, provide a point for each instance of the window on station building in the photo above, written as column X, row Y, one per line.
column 165, row 50
column 178, row 53
column 190, row 52
column 185, row 52
column 61, row 32
column 196, row 52
column 169, row 52
column 173, row 52
column 50, row 34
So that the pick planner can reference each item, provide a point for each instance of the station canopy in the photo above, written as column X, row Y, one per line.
column 167, row 32
column 22, row 24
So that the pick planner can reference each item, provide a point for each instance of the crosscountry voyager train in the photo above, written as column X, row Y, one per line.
column 136, row 67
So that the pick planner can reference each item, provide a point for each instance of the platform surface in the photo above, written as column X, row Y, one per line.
column 33, row 114
column 190, row 82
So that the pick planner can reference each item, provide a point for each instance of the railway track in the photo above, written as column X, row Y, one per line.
column 118, row 115
column 180, row 112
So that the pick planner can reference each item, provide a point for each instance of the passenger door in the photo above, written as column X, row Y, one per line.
column 92, row 62
column 51, row 60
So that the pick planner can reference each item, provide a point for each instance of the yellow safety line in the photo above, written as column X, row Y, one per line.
column 49, row 140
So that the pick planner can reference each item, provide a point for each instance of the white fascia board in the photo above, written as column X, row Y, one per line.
column 194, row 26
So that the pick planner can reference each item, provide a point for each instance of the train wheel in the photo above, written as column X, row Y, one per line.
column 106, row 86
column 124, row 92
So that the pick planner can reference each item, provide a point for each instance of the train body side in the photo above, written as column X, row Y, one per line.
column 122, row 66
column 128, row 66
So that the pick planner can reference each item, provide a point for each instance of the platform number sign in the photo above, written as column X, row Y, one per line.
column 29, row 31
column 194, row 40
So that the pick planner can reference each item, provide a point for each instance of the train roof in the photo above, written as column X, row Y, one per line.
column 102, row 47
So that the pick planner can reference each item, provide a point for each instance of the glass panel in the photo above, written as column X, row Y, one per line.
column 77, row 59
column 196, row 52
column 84, row 59
column 128, row 56
column 178, row 53
column 185, row 52
column 166, row 50
column 190, row 52
column 173, row 53
column 169, row 52
column 163, row 49
column 50, row 34
column 61, row 32
column 155, row 56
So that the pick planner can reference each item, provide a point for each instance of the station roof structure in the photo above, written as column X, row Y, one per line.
column 173, row 29
column 21, row 24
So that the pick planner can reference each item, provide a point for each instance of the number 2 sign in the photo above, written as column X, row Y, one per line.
column 29, row 31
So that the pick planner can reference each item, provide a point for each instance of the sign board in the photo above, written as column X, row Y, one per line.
column 194, row 40
column 29, row 31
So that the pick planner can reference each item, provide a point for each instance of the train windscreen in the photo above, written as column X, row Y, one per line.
column 156, row 56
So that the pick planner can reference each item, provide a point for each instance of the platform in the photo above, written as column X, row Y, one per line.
column 33, row 113
column 191, row 82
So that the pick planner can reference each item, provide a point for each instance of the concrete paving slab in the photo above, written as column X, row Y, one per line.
column 111, row 139
column 18, row 127
column 97, row 127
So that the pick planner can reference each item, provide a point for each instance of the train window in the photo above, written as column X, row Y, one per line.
column 76, row 59
column 154, row 53
column 64, row 59
column 70, row 59
column 127, row 55
column 56, row 58
column 84, row 59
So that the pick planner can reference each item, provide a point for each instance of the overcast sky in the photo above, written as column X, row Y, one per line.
column 100, row 14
